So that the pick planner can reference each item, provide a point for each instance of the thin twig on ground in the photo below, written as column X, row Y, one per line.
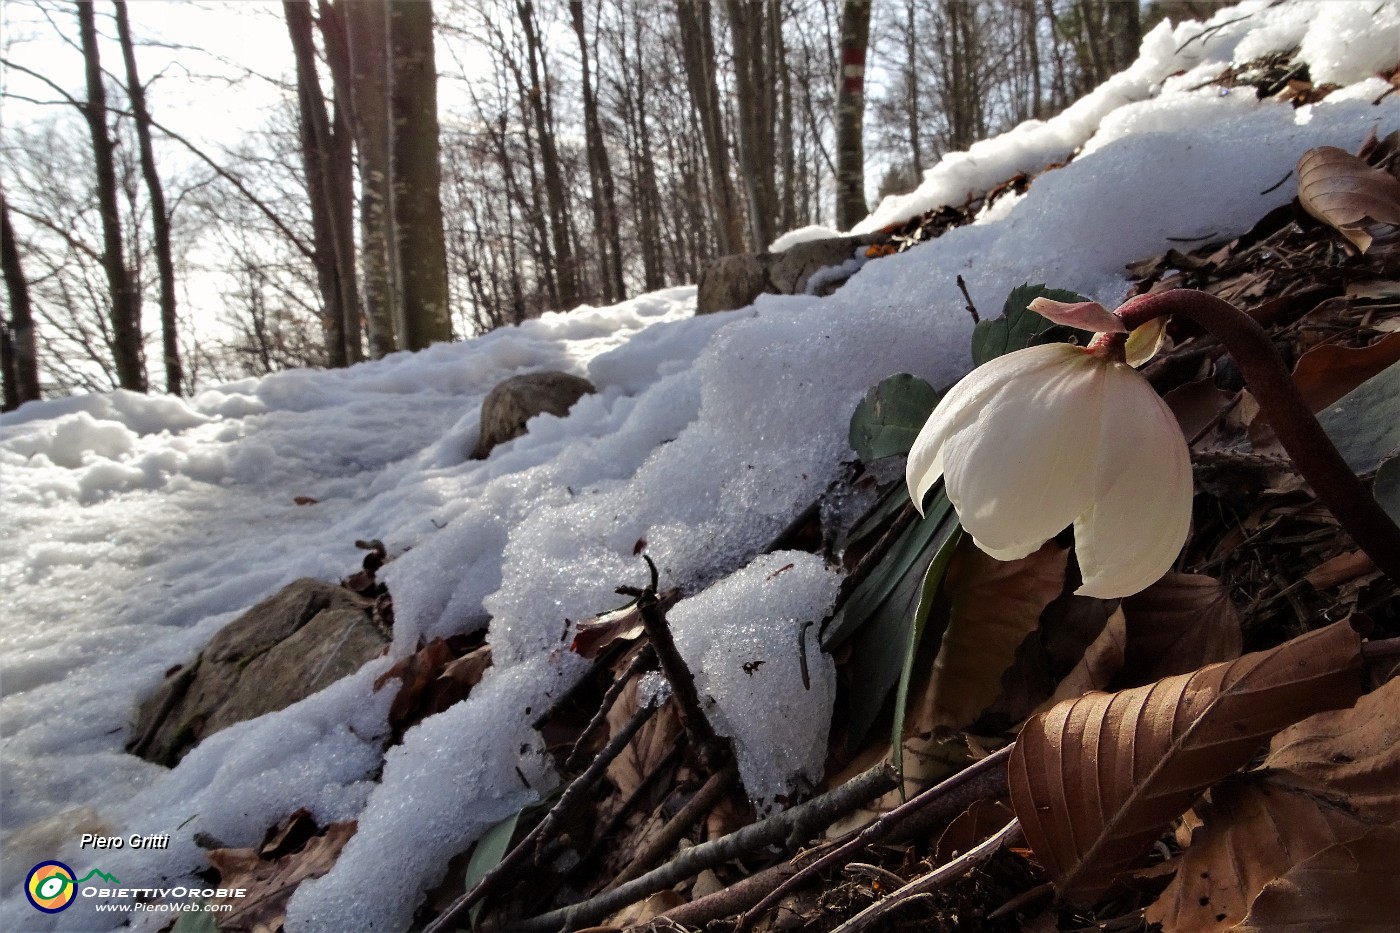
column 982, row 780
column 643, row 661
column 926, row 884
column 803, row 821
column 676, row 671
column 703, row 802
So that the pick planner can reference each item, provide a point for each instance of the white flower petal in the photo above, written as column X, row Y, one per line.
column 1021, row 472
column 1141, row 512
column 961, row 405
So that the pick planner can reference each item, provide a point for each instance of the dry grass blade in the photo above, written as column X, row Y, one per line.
column 1094, row 780
column 1344, row 192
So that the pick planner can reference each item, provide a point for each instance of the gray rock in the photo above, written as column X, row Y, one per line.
column 735, row 281
column 518, row 399
column 287, row 647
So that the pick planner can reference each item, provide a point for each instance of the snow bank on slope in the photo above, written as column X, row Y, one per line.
column 707, row 435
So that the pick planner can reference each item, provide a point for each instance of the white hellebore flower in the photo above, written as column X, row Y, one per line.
column 1039, row 438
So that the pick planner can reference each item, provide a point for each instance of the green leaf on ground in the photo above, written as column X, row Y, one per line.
column 888, row 419
column 1018, row 326
column 1387, row 488
column 490, row 849
column 200, row 921
column 1365, row 423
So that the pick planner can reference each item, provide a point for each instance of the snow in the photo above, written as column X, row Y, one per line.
column 135, row 527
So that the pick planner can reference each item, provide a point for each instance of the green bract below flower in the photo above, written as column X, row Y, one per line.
column 1047, row 436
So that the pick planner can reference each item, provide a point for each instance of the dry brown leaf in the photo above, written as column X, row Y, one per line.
column 648, row 747
column 1102, row 661
column 1343, row 568
column 1354, row 752
column 1179, row 624
column 646, row 910
column 625, row 624
column 995, row 604
column 1094, row 780
column 970, row 827
column 269, row 885
column 1068, row 629
column 1327, row 372
column 1196, row 404
column 1257, row 827
column 1345, row 193
column 1345, row 888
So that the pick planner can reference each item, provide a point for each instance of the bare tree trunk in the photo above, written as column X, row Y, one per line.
column 342, row 178
column 19, row 359
column 850, row 114
column 600, row 176
column 698, row 55
column 1032, row 44
column 366, row 58
column 1124, row 33
column 787, row 156
column 126, row 341
column 417, row 176
column 334, row 263
column 911, row 89
column 554, row 189
column 754, row 91
column 160, row 220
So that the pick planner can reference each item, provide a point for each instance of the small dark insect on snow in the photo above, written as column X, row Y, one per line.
column 639, row 547
column 753, row 666
column 778, row 571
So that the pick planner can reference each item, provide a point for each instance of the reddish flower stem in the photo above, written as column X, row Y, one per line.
column 1302, row 437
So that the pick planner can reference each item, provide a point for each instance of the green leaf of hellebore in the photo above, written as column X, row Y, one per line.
column 200, row 921
column 880, row 617
column 1365, row 423
column 1018, row 326
column 890, row 416
column 933, row 579
column 1387, row 488
column 490, row 849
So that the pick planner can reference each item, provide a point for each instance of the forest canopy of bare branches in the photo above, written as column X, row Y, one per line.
column 423, row 177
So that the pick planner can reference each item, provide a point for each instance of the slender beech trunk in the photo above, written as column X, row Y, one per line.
column 850, row 114
column 126, row 342
column 19, row 359
column 160, row 220
column 698, row 56
column 555, row 192
column 365, row 56
column 754, row 91
column 600, row 176
column 1124, row 33
column 332, row 255
column 417, row 177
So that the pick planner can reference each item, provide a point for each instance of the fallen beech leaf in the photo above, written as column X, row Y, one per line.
column 1102, row 661
column 271, row 884
column 1345, row 888
column 1345, row 193
column 1094, row 780
column 652, row 743
column 970, row 827
column 1257, row 827
column 1327, row 372
column 1069, row 626
column 1343, row 568
column 624, row 624
column 1195, row 405
column 1179, row 624
column 994, row 605
column 1354, row 752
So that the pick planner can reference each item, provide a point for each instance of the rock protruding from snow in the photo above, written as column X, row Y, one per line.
column 292, row 644
column 512, row 403
column 806, row 267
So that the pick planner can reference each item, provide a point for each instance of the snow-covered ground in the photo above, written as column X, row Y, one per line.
column 134, row 527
